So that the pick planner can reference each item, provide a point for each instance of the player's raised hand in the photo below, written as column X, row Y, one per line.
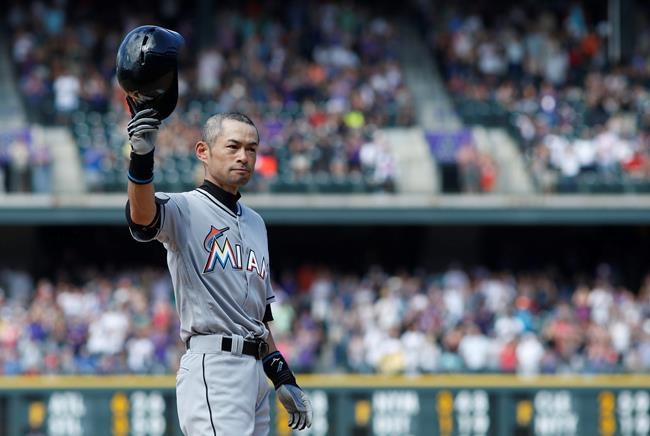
column 143, row 130
column 298, row 406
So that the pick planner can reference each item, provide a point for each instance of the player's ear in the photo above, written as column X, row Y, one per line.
column 202, row 149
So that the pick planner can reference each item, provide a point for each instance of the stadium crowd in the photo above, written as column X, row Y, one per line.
column 544, row 73
column 319, row 79
column 458, row 320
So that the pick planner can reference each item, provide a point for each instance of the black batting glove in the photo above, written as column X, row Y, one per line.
column 294, row 399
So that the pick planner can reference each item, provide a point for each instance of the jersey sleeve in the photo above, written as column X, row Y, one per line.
column 270, row 298
column 166, row 226
column 172, row 228
column 270, row 295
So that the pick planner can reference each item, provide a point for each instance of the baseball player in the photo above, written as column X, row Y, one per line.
column 217, row 254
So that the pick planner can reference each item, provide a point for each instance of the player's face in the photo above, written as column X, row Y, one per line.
column 230, row 161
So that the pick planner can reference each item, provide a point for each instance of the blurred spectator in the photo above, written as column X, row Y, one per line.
column 19, row 166
column 67, row 89
column 529, row 354
column 474, row 348
column 140, row 351
column 40, row 164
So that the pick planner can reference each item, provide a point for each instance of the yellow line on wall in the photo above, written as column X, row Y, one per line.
column 477, row 380
column 342, row 381
column 88, row 382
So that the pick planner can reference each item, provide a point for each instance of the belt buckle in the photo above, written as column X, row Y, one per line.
column 262, row 349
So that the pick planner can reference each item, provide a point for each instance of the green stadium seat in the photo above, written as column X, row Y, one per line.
column 94, row 119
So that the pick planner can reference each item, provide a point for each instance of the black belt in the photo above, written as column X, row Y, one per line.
column 257, row 349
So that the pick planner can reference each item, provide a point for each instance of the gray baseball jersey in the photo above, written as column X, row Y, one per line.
column 217, row 253
column 218, row 261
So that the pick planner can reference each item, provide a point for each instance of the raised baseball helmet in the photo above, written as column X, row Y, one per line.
column 147, row 69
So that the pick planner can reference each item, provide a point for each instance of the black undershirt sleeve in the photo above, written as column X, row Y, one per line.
column 268, row 315
column 140, row 232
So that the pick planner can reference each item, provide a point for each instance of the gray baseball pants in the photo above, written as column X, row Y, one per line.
column 221, row 393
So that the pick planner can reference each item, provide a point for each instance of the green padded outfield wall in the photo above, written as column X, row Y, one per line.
column 445, row 405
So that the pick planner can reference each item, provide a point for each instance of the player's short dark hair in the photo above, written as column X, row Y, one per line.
column 212, row 126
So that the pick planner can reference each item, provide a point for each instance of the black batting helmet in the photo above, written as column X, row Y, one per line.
column 147, row 69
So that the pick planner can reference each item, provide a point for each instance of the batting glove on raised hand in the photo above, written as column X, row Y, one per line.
column 298, row 406
column 143, row 130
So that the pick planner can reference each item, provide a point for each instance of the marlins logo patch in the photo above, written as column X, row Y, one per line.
column 222, row 252
column 212, row 236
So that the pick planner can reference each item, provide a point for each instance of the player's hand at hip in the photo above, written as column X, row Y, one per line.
column 298, row 406
column 143, row 130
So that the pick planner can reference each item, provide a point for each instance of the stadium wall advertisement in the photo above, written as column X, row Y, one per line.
column 444, row 405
